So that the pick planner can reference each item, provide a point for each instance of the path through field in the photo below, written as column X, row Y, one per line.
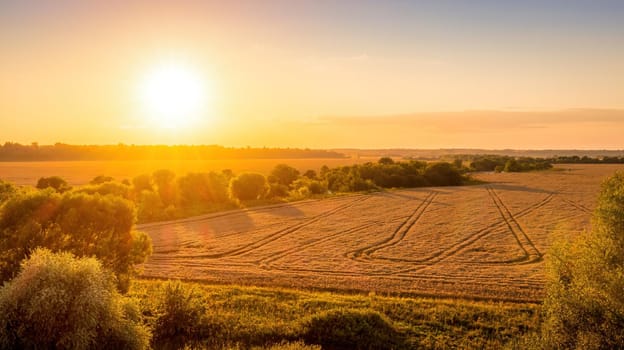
column 485, row 241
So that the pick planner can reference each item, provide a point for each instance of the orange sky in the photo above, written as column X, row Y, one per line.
column 318, row 74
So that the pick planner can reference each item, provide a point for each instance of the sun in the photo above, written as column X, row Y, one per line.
column 173, row 96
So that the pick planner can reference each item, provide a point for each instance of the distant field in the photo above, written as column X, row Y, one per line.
column 486, row 241
column 81, row 172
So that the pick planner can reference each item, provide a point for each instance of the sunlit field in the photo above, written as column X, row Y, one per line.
column 484, row 241
column 81, row 172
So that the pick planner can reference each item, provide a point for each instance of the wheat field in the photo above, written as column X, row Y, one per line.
column 485, row 241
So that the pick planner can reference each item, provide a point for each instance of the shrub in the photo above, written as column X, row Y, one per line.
column 107, row 188
column 443, row 174
column 142, row 183
column 6, row 191
column 584, row 307
column 181, row 317
column 202, row 188
column 100, row 179
column 248, row 186
column 164, row 180
column 55, row 182
column 352, row 329
column 284, row 174
column 277, row 190
column 59, row 301
column 86, row 225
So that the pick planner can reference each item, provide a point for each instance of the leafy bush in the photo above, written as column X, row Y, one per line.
column 584, row 307
column 167, row 190
column 284, row 174
column 100, row 179
column 6, row 191
column 352, row 329
column 86, row 225
column 442, row 174
column 107, row 188
column 142, row 183
column 59, row 301
column 248, row 186
column 181, row 318
column 55, row 182
column 202, row 188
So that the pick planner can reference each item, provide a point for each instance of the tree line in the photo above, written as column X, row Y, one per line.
column 12, row 151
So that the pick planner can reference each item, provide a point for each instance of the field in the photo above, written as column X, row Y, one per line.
column 484, row 241
column 81, row 172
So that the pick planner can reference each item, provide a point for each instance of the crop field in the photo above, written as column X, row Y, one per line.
column 484, row 241
column 81, row 172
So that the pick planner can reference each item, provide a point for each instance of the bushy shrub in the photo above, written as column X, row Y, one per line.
column 166, row 186
column 7, row 189
column 443, row 174
column 58, row 301
column 142, row 183
column 202, row 188
column 277, row 190
column 86, row 225
column 248, row 186
column 107, row 188
column 584, row 307
column 55, row 182
column 284, row 174
column 352, row 329
column 181, row 318
column 100, row 179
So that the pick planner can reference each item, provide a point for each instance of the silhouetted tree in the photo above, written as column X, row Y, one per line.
column 248, row 186
column 55, row 182
column 285, row 174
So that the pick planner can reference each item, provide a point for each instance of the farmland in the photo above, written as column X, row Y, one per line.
column 485, row 241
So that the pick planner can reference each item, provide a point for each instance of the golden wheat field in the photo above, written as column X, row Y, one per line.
column 482, row 241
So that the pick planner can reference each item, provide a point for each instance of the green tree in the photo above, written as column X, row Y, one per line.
column 100, row 179
column 443, row 174
column 7, row 190
column 584, row 307
column 248, row 186
column 285, row 174
column 58, row 301
column 202, row 188
column 86, row 225
column 55, row 182
column 167, row 190
column 142, row 183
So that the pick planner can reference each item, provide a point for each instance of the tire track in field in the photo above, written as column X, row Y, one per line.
column 266, row 262
column 272, row 237
column 468, row 240
column 524, row 241
column 399, row 233
column 577, row 206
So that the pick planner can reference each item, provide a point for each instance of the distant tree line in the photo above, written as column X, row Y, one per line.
column 503, row 163
column 587, row 160
column 163, row 195
column 11, row 151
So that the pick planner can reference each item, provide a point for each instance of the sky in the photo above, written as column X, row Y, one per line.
column 319, row 74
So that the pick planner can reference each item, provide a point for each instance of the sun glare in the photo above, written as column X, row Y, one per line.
column 173, row 96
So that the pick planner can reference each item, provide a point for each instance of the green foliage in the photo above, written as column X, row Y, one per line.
column 284, row 174
column 165, row 183
column 107, row 188
column 385, row 161
column 202, row 188
column 353, row 329
column 310, row 174
column 248, row 186
column 507, row 163
column 57, row 183
column 442, row 174
column 181, row 317
column 584, row 307
column 7, row 190
column 86, row 225
column 100, row 179
column 142, row 183
column 61, row 302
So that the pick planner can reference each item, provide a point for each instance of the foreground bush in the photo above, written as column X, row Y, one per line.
column 352, row 329
column 83, row 224
column 584, row 308
column 181, row 318
column 59, row 301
